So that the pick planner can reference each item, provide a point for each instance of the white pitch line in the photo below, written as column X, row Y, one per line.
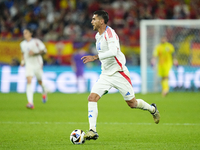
column 109, row 123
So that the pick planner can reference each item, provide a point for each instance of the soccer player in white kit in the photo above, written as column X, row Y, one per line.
column 114, row 73
column 32, row 49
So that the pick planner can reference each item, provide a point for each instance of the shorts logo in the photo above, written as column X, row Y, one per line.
column 89, row 116
column 127, row 93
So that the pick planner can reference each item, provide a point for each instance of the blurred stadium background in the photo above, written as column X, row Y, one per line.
column 64, row 26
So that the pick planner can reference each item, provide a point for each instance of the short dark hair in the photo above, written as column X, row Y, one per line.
column 29, row 29
column 102, row 14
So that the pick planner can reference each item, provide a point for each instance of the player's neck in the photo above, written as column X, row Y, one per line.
column 102, row 29
column 28, row 39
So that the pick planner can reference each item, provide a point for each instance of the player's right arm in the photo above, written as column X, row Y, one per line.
column 22, row 63
column 112, row 40
column 22, row 60
column 89, row 58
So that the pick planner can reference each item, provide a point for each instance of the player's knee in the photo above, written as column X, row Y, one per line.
column 132, row 106
column 40, row 82
column 93, row 97
column 29, row 80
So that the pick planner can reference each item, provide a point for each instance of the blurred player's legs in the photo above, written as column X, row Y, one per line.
column 164, row 73
column 30, row 106
column 38, row 74
column 44, row 92
column 165, row 86
column 29, row 92
column 30, row 72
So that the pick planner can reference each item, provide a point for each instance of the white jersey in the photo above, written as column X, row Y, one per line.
column 36, row 46
column 110, row 55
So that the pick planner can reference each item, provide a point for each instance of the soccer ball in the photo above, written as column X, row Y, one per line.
column 77, row 136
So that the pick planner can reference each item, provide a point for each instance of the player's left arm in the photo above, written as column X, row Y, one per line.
column 41, row 52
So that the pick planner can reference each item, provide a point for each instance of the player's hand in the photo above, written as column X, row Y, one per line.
column 175, row 62
column 31, row 53
column 87, row 59
column 153, row 61
column 22, row 63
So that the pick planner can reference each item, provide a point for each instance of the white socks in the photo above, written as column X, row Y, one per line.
column 145, row 106
column 93, row 111
column 92, row 115
column 29, row 93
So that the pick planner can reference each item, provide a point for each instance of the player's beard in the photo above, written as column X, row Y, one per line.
column 95, row 27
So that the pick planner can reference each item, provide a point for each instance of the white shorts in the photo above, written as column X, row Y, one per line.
column 34, row 72
column 119, row 80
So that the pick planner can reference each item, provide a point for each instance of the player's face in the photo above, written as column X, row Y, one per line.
column 163, row 39
column 27, row 34
column 96, row 21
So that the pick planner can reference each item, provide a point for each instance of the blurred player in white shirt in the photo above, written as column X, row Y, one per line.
column 114, row 73
column 32, row 49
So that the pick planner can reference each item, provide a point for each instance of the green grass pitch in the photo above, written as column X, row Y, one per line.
column 49, row 125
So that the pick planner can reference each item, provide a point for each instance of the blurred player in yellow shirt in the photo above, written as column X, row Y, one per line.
column 164, row 52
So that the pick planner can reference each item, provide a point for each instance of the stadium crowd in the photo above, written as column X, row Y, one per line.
column 71, row 19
